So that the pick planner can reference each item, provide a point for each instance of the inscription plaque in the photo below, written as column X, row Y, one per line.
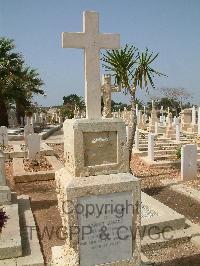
column 100, row 148
column 105, row 223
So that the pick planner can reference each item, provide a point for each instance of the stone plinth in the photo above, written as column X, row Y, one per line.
column 95, row 147
column 79, row 200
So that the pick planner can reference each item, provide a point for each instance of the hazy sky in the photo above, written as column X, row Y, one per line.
column 170, row 27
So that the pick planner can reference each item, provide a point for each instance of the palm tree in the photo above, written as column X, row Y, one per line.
column 9, row 62
column 27, row 83
column 18, row 82
column 131, row 70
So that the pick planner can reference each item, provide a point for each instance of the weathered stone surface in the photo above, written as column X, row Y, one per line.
column 3, row 136
column 20, row 175
column 97, row 147
column 28, row 129
column 188, row 161
column 33, row 143
column 2, row 169
column 10, row 242
column 5, row 195
column 91, row 40
column 31, row 254
column 92, row 190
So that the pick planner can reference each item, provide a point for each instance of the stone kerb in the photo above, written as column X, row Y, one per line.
column 20, row 175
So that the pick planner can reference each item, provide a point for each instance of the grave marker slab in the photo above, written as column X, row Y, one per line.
column 188, row 162
column 28, row 129
column 33, row 143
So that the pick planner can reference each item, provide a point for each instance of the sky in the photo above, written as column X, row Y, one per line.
column 170, row 28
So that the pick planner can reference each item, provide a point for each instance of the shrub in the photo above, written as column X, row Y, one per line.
column 3, row 218
column 178, row 152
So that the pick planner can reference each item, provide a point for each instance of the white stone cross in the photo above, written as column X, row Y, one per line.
column 91, row 40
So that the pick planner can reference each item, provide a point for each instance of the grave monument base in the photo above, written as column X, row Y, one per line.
column 113, row 189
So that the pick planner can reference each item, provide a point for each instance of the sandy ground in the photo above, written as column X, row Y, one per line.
column 44, row 206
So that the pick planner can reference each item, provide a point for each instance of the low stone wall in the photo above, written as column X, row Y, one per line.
column 46, row 134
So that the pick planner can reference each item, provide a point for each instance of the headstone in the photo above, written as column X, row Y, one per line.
column 151, row 144
column 199, row 121
column 186, row 119
column 28, row 129
column 193, row 115
column 177, row 133
column 3, row 136
column 137, row 137
column 5, row 193
column 136, row 110
column 28, row 120
column 153, row 119
column 188, row 162
column 156, row 128
column 139, row 119
column 170, row 131
column 2, row 169
column 33, row 144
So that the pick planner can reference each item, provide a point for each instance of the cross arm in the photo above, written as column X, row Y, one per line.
column 73, row 40
column 109, row 40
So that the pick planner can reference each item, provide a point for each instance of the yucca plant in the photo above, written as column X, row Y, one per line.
column 131, row 69
column 3, row 218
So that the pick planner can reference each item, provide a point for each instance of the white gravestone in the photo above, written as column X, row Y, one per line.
column 137, row 136
column 151, row 147
column 117, row 222
column 177, row 133
column 33, row 142
column 91, row 40
column 156, row 128
column 188, row 162
column 2, row 169
column 199, row 121
column 3, row 136
column 193, row 115
column 28, row 129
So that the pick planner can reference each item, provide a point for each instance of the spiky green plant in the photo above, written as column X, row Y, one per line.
column 131, row 69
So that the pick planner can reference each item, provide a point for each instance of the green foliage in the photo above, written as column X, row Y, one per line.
column 18, row 82
column 71, row 102
column 131, row 68
column 178, row 152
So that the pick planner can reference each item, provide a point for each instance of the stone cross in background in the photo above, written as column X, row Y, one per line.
column 91, row 40
column 107, row 89
column 28, row 129
column 33, row 142
column 3, row 136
